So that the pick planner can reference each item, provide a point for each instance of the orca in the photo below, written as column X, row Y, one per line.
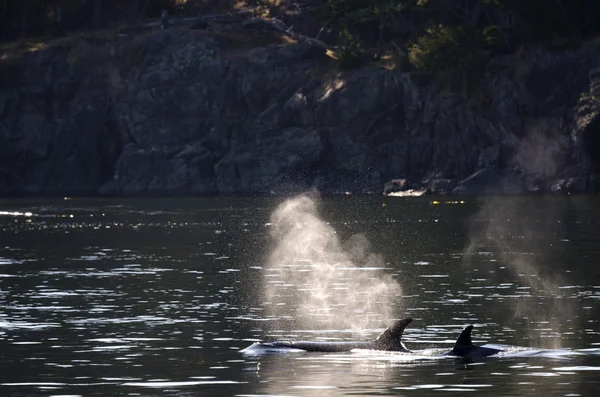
column 388, row 340
column 464, row 347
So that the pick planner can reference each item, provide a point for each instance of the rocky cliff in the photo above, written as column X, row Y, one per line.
column 181, row 112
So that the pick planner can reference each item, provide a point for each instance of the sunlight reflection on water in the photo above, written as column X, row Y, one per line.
column 155, row 297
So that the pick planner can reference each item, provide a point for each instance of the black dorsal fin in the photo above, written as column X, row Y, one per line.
column 391, row 338
column 464, row 340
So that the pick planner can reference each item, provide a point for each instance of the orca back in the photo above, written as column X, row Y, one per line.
column 464, row 346
column 325, row 347
column 391, row 338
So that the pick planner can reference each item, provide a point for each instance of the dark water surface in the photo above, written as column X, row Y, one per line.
column 158, row 297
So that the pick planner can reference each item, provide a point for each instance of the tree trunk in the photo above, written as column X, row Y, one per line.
column 475, row 14
column 58, row 19
column 380, row 34
column 97, row 14
column 142, row 5
column 23, row 23
column 3, row 30
column 164, row 19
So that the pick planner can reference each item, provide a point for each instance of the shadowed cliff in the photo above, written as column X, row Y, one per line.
column 214, row 111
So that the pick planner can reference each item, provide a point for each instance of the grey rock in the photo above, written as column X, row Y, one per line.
column 187, row 112
column 594, row 183
column 574, row 185
column 491, row 181
column 439, row 186
column 558, row 186
column 396, row 185
column 275, row 161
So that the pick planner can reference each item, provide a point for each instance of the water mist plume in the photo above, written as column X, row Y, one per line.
column 541, row 152
column 521, row 239
column 317, row 281
column 508, row 227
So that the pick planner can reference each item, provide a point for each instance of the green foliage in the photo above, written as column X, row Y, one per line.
column 352, row 14
column 349, row 57
column 439, row 47
column 454, row 55
column 357, row 11
column 351, row 54
column 542, row 20
column 356, row 22
column 450, row 40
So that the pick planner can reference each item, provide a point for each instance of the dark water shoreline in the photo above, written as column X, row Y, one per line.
column 71, row 195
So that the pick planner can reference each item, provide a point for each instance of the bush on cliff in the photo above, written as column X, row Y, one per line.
column 454, row 55
column 441, row 37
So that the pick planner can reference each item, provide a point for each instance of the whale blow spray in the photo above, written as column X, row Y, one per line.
column 317, row 281
column 510, row 227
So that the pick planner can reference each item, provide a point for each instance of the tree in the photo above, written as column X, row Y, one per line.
column 24, row 18
column 58, row 17
column 3, row 12
column 141, row 8
column 97, row 14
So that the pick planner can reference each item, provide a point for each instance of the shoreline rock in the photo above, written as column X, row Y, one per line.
column 182, row 112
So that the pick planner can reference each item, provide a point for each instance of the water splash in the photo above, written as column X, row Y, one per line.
column 316, row 280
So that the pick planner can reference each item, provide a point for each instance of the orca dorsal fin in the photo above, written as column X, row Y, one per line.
column 391, row 338
column 464, row 340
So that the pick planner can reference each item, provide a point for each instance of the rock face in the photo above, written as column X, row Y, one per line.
column 180, row 112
